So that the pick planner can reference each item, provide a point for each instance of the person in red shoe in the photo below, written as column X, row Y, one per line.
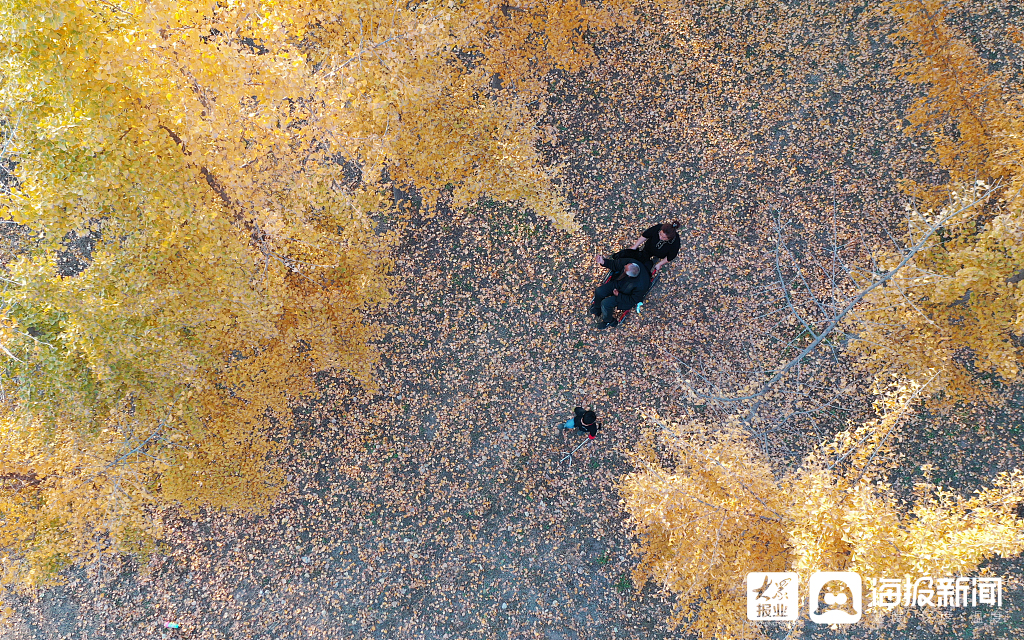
column 583, row 422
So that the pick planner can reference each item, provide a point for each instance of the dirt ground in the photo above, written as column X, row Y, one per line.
column 438, row 508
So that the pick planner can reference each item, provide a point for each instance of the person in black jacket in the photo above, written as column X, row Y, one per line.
column 583, row 422
column 661, row 243
column 629, row 282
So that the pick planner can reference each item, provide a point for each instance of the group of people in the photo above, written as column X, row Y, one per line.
column 631, row 272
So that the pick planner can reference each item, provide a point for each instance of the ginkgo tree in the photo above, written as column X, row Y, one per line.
column 945, row 300
column 931, row 322
column 956, row 309
column 716, row 510
column 222, row 162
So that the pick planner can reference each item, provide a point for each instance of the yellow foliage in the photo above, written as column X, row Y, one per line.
column 206, row 151
column 705, row 523
column 719, row 512
column 956, row 310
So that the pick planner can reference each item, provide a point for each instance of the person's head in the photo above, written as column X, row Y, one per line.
column 632, row 270
column 589, row 418
column 667, row 232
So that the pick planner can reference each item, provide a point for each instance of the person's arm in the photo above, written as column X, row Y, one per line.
column 628, row 295
column 673, row 251
column 615, row 265
column 661, row 263
column 651, row 233
column 607, row 263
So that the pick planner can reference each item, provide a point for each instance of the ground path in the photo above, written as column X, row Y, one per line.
column 437, row 509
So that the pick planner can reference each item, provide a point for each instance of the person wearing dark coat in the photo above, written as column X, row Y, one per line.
column 583, row 422
column 627, row 285
column 661, row 243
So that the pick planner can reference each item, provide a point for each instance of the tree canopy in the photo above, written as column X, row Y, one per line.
column 944, row 327
column 198, row 185
column 718, row 511
column 957, row 308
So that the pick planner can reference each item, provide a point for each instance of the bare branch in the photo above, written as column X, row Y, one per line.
column 882, row 280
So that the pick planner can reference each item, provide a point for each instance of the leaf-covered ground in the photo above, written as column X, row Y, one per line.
column 438, row 508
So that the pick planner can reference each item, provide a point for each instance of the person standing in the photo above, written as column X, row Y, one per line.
column 583, row 422
column 661, row 243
